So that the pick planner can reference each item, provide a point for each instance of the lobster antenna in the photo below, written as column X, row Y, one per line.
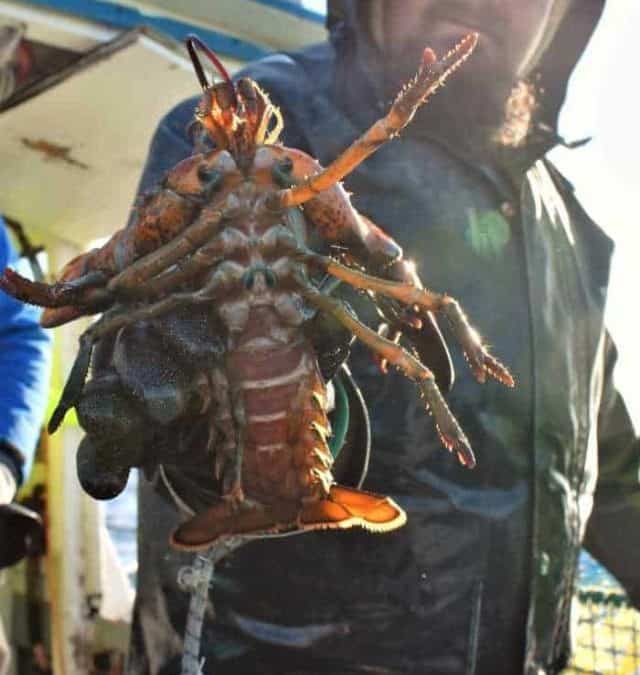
column 193, row 40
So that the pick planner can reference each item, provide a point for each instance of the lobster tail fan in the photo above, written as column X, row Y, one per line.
column 346, row 507
column 342, row 509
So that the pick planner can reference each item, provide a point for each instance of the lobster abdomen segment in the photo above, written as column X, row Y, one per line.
column 286, row 456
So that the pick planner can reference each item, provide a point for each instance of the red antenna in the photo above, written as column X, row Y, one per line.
column 192, row 41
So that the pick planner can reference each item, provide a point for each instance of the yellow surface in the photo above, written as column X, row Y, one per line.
column 608, row 641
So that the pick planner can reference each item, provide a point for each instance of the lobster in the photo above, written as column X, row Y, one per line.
column 207, row 298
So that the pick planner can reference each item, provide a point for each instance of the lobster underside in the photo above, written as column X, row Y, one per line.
column 224, row 239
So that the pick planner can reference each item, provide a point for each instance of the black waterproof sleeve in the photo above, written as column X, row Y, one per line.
column 613, row 532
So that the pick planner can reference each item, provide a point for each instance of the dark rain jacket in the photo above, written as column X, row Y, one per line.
column 25, row 355
column 481, row 578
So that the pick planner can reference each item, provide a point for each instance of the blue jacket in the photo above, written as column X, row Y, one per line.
column 25, row 360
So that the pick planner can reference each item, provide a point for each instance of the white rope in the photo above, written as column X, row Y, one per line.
column 197, row 579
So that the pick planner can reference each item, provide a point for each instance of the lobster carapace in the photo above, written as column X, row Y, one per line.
column 225, row 234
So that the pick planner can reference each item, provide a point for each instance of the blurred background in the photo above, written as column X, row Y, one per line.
column 106, row 73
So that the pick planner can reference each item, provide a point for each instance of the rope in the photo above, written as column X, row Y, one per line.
column 197, row 579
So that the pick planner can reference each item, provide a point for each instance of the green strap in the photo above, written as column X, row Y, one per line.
column 339, row 418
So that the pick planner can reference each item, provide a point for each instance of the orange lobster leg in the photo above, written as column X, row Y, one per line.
column 333, row 216
column 452, row 436
column 429, row 78
column 160, row 217
column 482, row 363
column 161, row 259
column 361, row 240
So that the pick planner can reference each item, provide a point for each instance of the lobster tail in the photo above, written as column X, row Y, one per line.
column 342, row 509
column 287, row 462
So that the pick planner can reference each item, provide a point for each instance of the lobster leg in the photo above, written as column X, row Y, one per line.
column 232, row 484
column 481, row 362
column 161, row 217
column 226, row 274
column 161, row 259
column 229, row 241
column 116, row 319
column 112, row 322
column 332, row 215
column 431, row 75
column 58, row 294
column 451, row 435
column 223, row 428
column 230, row 421
column 90, row 292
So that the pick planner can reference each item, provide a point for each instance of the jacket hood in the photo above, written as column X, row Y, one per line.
column 571, row 24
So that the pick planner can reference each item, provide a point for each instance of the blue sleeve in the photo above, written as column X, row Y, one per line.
column 25, row 364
